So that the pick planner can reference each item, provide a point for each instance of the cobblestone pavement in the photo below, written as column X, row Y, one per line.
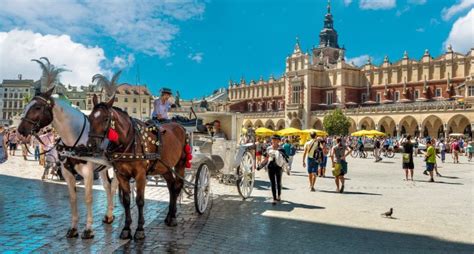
column 428, row 217
column 35, row 215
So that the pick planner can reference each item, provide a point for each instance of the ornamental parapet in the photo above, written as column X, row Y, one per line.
column 441, row 106
column 268, row 114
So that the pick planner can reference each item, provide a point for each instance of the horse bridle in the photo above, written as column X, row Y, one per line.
column 36, row 124
column 108, row 126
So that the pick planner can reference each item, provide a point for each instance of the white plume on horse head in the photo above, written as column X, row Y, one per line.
column 110, row 87
column 50, row 75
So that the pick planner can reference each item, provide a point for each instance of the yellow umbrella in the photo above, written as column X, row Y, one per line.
column 374, row 133
column 360, row 133
column 289, row 132
column 319, row 133
column 264, row 132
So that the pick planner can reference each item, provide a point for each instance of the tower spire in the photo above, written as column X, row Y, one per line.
column 329, row 6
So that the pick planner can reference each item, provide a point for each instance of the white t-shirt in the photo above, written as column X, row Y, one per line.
column 311, row 145
column 161, row 109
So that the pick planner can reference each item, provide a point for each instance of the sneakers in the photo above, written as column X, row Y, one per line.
column 342, row 189
column 425, row 172
column 431, row 180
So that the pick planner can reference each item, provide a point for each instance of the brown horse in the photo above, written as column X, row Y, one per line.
column 133, row 154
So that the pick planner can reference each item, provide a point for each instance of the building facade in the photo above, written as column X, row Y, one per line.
column 408, row 96
column 136, row 100
column 14, row 94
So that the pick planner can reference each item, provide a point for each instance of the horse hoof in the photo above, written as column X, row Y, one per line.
column 106, row 219
column 139, row 235
column 126, row 234
column 171, row 222
column 72, row 233
column 87, row 234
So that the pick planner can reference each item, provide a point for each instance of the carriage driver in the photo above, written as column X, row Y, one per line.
column 162, row 105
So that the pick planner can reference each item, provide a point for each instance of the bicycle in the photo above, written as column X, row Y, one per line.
column 387, row 152
column 358, row 153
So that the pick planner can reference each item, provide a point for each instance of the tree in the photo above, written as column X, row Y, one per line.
column 26, row 99
column 336, row 123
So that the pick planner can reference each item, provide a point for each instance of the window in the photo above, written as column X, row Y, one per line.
column 397, row 96
column 134, row 110
column 329, row 98
column 470, row 91
column 259, row 106
column 363, row 97
column 144, row 111
column 89, row 102
column 77, row 103
column 4, row 115
column 438, row 92
column 417, row 94
column 377, row 98
column 250, row 107
column 125, row 100
column 296, row 93
column 134, row 100
column 4, row 104
column 15, row 104
column 280, row 105
column 144, row 100
column 21, row 95
column 269, row 106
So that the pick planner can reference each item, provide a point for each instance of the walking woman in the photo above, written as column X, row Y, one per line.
column 276, row 162
column 339, row 153
column 407, row 157
column 3, row 146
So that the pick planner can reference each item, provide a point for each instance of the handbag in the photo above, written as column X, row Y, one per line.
column 336, row 170
column 406, row 158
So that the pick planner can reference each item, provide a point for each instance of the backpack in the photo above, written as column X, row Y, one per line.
column 318, row 154
column 292, row 150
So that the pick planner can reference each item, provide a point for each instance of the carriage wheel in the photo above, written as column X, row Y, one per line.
column 202, row 188
column 246, row 175
column 188, row 188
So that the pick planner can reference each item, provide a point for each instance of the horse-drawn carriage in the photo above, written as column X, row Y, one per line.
column 109, row 137
column 225, row 159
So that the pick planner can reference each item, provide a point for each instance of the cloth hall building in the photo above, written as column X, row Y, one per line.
column 430, row 96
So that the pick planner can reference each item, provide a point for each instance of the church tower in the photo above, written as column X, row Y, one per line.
column 328, row 49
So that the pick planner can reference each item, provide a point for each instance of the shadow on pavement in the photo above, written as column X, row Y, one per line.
column 352, row 193
column 436, row 181
column 35, row 215
column 265, row 185
column 258, row 227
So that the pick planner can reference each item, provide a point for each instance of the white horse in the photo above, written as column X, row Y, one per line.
column 73, row 128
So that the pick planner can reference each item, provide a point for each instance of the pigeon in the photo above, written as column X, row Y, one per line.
column 388, row 214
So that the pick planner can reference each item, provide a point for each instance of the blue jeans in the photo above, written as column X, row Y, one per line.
column 443, row 155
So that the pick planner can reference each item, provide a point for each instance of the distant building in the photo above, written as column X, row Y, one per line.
column 136, row 100
column 427, row 96
column 13, row 96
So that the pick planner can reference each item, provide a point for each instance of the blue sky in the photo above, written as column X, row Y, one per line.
column 196, row 47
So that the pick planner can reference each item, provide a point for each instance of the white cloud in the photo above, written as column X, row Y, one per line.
column 461, row 36
column 141, row 25
column 18, row 47
column 358, row 60
column 123, row 62
column 434, row 22
column 196, row 57
column 420, row 30
column 419, row 2
column 400, row 12
column 462, row 5
column 347, row 2
column 377, row 4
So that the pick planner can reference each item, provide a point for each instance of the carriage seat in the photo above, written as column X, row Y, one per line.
column 184, row 121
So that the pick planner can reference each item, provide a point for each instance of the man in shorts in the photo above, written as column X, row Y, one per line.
column 309, row 149
column 430, row 157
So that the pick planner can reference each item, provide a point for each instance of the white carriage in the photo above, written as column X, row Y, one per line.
column 226, row 159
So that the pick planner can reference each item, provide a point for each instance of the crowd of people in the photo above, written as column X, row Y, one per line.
column 276, row 155
column 42, row 149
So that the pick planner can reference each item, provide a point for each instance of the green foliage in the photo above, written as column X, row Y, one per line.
column 26, row 99
column 336, row 123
